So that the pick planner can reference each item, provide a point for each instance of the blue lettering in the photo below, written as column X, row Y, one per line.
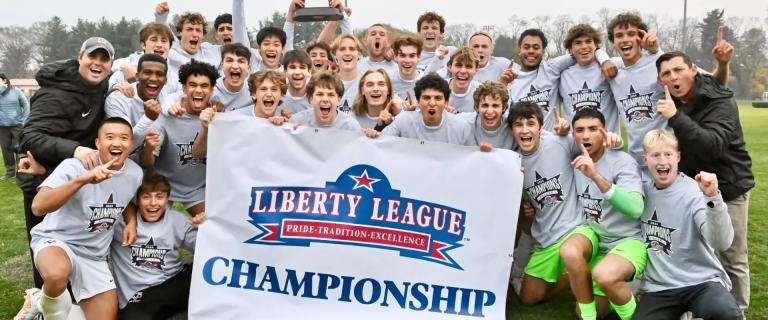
column 345, row 288
column 399, row 296
column 322, row 290
column 208, row 271
column 237, row 272
column 375, row 293
column 437, row 298
column 420, row 296
column 480, row 301
column 270, row 276
column 296, row 285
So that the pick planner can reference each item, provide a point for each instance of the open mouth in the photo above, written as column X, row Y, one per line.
column 194, row 43
column 376, row 45
column 663, row 173
column 432, row 112
column 530, row 60
column 526, row 140
column 269, row 103
column 96, row 70
column 325, row 111
column 587, row 145
column 152, row 89
column 346, row 59
column 115, row 153
column 626, row 49
column 270, row 55
column 159, row 52
column 318, row 65
column 197, row 102
column 227, row 40
column 676, row 87
column 235, row 75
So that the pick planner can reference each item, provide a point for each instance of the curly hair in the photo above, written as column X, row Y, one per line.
column 195, row 67
column 579, row 31
column 625, row 20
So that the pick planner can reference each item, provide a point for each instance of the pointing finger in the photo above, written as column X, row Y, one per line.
column 720, row 33
column 666, row 93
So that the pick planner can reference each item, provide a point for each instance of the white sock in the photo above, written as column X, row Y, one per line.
column 55, row 308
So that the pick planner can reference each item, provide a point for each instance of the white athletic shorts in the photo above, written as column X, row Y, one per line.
column 88, row 277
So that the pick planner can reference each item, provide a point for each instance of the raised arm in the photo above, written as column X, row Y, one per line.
column 50, row 199
column 714, row 223
column 238, row 23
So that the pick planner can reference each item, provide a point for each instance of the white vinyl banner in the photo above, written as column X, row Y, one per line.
column 327, row 224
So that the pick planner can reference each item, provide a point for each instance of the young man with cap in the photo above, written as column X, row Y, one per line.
column 65, row 115
column 705, row 119
column 684, row 220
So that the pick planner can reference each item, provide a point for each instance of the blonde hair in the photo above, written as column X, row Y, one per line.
column 337, row 42
column 465, row 55
column 659, row 136
column 277, row 78
column 360, row 106
column 494, row 89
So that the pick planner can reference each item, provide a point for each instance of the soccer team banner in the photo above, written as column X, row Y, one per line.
column 327, row 224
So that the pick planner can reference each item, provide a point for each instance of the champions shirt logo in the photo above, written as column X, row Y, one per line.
column 637, row 107
column 360, row 208
column 547, row 192
column 593, row 208
column 185, row 153
column 103, row 217
column 586, row 98
column 540, row 97
column 345, row 107
column 658, row 237
column 148, row 256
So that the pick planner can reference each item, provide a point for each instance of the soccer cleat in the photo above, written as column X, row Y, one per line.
column 31, row 308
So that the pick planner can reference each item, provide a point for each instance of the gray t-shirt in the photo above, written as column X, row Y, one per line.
column 499, row 138
column 541, row 86
column 584, row 87
column 294, row 104
column 549, row 185
column 367, row 121
column 611, row 226
column 154, row 257
column 410, row 124
column 636, row 90
column 343, row 121
column 131, row 109
column 673, row 223
column 86, row 221
column 206, row 52
column 401, row 87
column 366, row 64
column 493, row 70
column 350, row 93
column 428, row 58
column 231, row 100
column 464, row 102
column 172, row 83
column 174, row 157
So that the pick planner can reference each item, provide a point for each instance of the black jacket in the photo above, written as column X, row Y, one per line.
column 64, row 114
column 711, row 138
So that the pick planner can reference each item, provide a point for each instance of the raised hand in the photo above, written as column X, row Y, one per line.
column 649, row 41
column 723, row 50
column 178, row 108
column 707, row 183
column 611, row 140
column 584, row 163
column 385, row 117
column 441, row 52
column 508, row 76
column 206, row 116
column 30, row 166
column 197, row 220
column 561, row 125
column 409, row 104
column 152, row 109
column 99, row 173
column 162, row 8
column 151, row 140
column 666, row 107
column 609, row 70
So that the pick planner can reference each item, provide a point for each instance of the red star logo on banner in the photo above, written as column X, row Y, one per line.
column 363, row 181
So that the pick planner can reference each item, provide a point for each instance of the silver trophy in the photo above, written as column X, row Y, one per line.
column 317, row 10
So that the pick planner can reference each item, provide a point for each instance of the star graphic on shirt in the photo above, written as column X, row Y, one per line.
column 364, row 181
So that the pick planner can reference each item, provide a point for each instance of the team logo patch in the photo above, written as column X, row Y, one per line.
column 547, row 192
column 658, row 237
column 136, row 297
column 637, row 107
column 593, row 208
column 586, row 98
column 360, row 208
column 148, row 255
column 540, row 97
column 104, row 216
column 345, row 107
column 185, row 153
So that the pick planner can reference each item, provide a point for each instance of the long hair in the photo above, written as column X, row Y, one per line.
column 360, row 106
column 8, row 86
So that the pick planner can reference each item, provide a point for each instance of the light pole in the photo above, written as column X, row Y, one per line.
column 685, row 18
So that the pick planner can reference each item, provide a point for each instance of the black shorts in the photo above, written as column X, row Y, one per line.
column 709, row 300
column 161, row 301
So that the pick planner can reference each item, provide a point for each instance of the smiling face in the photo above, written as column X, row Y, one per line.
column 489, row 111
column 94, row 67
column 662, row 159
column 157, row 44
column 586, row 131
column 583, row 49
column 297, row 74
column 191, row 36
column 271, row 49
column 114, row 141
column 483, row 46
column 235, row 70
column 626, row 40
column 407, row 58
column 347, row 54
column 376, row 41
column 151, row 78
column 224, row 34
column 431, row 35
column 266, row 97
column 679, row 77
column 198, row 89
column 375, row 89
column 324, row 101
column 527, row 133
column 152, row 205
column 530, row 51
column 432, row 103
column 319, row 58
column 462, row 72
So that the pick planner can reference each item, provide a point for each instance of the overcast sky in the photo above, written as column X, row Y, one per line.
column 400, row 13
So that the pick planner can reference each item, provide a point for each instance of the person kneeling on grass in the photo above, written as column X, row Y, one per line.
column 81, row 208
column 152, row 280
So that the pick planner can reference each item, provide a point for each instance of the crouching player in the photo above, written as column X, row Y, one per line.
column 611, row 198
column 681, row 226
column 81, row 208
column 151, row 277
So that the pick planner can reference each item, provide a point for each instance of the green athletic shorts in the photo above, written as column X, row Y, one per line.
column 632, row 250
column 546, row 263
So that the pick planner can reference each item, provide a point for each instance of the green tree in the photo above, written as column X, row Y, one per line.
column 52, row 42
column 15, row 51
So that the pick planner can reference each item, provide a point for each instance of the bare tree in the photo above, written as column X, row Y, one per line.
column 458, row 34
column 15, row 51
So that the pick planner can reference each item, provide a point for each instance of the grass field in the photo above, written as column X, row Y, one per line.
column 15, row 264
